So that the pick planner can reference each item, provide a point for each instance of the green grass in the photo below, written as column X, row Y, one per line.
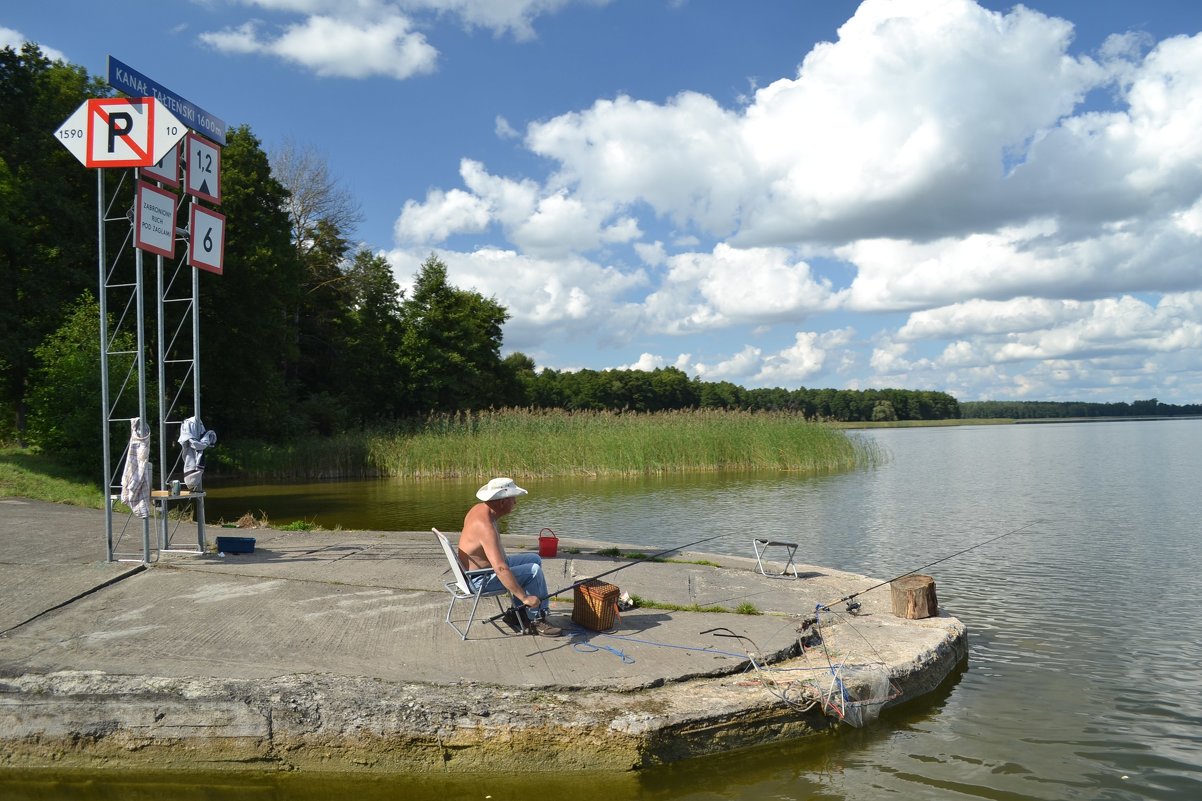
column 647, row 603
column 744, row 608
column 702, row 562
column 27, row 474
column 517, row 442
column 299, row 525
column 527, row 443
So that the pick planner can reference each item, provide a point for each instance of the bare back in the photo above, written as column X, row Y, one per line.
column 480, row 541
column 480, row 546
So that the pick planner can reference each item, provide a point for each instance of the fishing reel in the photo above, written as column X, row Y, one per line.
column 853, row 606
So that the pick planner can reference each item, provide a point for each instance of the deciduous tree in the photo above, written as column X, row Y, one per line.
column 451, row 351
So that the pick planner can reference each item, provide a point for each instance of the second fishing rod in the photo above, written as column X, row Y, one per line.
column 853, row 605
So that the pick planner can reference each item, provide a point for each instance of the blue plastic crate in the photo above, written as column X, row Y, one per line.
column 236, row 544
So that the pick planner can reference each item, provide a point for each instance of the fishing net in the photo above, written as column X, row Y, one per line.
column 857, row 693
column 853, row 693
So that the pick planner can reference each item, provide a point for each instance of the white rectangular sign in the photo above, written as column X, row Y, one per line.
column 206, row 243
column 154, row 220
column 204, row 169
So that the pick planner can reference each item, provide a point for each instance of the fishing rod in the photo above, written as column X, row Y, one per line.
column 852, row 607
column 573, row 585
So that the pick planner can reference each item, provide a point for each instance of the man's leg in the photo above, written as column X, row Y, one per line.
column 528, row 570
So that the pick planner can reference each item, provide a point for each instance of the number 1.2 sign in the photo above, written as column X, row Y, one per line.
column 204, row 169
column 206, row 245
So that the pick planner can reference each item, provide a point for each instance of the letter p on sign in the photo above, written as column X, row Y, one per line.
column 120, row 132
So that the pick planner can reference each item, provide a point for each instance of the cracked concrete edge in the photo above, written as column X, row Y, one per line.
column 93, row 720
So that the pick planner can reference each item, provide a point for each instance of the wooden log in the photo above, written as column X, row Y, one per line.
column 914, row 597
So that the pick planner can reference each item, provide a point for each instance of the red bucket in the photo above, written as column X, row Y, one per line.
column 548, row 543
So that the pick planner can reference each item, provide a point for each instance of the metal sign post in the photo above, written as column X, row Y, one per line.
column 144, row 132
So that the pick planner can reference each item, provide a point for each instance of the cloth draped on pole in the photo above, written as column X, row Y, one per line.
column 193, row 439
column 135, row 479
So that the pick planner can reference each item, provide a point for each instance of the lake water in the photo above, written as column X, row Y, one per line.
column 1084, row 678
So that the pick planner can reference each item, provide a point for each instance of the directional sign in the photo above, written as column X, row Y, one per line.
column 154, row 220
column 204, row 169
column 120, row 132
column 125, row 78
column 166, row 171
column 206, row 245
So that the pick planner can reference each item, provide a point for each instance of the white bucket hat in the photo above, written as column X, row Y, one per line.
column 499, row 488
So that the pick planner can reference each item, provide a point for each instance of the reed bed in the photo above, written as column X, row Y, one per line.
column 539, row 443
column 526, row 443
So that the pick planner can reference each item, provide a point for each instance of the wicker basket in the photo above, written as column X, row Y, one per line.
column 595, row 605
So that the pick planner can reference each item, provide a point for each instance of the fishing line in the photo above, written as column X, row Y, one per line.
column 852, row 607
column 849, row 709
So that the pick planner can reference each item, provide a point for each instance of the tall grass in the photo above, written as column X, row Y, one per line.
column 531, row 443
column 535, row 443
column 515, row 442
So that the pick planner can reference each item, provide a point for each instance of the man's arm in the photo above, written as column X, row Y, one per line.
column 491, row 542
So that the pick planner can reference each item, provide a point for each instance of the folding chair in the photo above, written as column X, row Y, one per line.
column 461, row 587
column 762, row 545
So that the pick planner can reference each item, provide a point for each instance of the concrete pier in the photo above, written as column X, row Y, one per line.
column 329, row 651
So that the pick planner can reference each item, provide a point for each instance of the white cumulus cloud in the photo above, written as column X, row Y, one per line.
column 336, row 47
column 937, row 161
column 16, row 40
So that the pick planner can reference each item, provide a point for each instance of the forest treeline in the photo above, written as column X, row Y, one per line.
column 1040, row 410
column 668, row 388
column 304, row 333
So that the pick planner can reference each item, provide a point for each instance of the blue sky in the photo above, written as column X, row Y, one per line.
column 991, row 200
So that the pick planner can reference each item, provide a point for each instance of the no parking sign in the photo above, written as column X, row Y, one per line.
column 120, row 132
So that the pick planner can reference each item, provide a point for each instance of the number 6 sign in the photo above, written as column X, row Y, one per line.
column 206, row 245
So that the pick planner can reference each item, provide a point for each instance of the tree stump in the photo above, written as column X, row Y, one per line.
column 914, row 597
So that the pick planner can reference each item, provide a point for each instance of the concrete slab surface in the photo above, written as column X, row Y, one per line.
column 354, row 622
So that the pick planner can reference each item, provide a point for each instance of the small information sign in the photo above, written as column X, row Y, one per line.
column 204, row 169
column 154, row 220
column 206, row 245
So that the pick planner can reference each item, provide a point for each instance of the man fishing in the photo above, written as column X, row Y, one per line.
column 480, row 547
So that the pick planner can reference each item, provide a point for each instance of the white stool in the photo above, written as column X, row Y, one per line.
column 763, row 545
